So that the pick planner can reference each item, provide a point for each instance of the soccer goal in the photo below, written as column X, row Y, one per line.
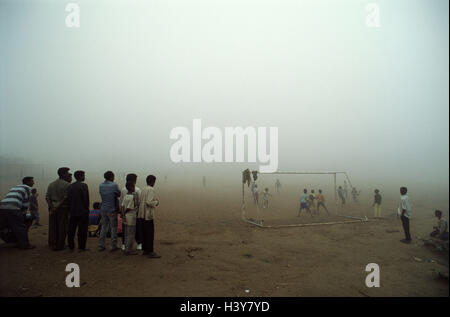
column 273, row 200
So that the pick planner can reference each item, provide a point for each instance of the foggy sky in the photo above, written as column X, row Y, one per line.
column 370, row 101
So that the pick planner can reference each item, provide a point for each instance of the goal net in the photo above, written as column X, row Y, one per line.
column 274, row 199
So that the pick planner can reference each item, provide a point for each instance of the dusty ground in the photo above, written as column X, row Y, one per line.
column 208, row 251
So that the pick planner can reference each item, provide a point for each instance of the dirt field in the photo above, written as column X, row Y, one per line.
column 207, row 250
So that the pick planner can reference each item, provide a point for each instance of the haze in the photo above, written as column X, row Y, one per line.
column 369, row 101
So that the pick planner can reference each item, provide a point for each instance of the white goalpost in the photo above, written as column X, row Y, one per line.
column 339, row 212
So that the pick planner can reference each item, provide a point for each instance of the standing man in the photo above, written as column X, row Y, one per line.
column 58, row 220
column 404, row 211
column 109, row 191
column 147, row 206
column 132, row 178
column 78, row 200
column 13, row 208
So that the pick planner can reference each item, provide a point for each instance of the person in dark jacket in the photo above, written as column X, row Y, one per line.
column 78, row 198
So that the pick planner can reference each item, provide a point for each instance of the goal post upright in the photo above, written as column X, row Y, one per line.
column 261, row 225
column 335, row 195
column 243, row 201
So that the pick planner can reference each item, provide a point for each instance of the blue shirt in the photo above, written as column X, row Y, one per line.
column 94, row 217
column 109, row 191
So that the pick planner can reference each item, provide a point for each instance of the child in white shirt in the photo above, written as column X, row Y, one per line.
column 128, row 208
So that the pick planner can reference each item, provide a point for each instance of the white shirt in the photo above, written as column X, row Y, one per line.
column 147, row 203
column 405, row 204
column 128, row 202
column 124, row 192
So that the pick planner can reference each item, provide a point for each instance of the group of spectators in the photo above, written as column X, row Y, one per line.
column 68, row 205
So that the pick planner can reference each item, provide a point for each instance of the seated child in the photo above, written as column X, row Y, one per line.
column 441, row 230
column 94, row 220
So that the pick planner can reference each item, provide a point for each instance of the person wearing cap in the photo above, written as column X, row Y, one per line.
column 377, row 204
column 58, row 220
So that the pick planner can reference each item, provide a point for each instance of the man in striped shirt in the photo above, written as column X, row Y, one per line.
column 13, row 208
